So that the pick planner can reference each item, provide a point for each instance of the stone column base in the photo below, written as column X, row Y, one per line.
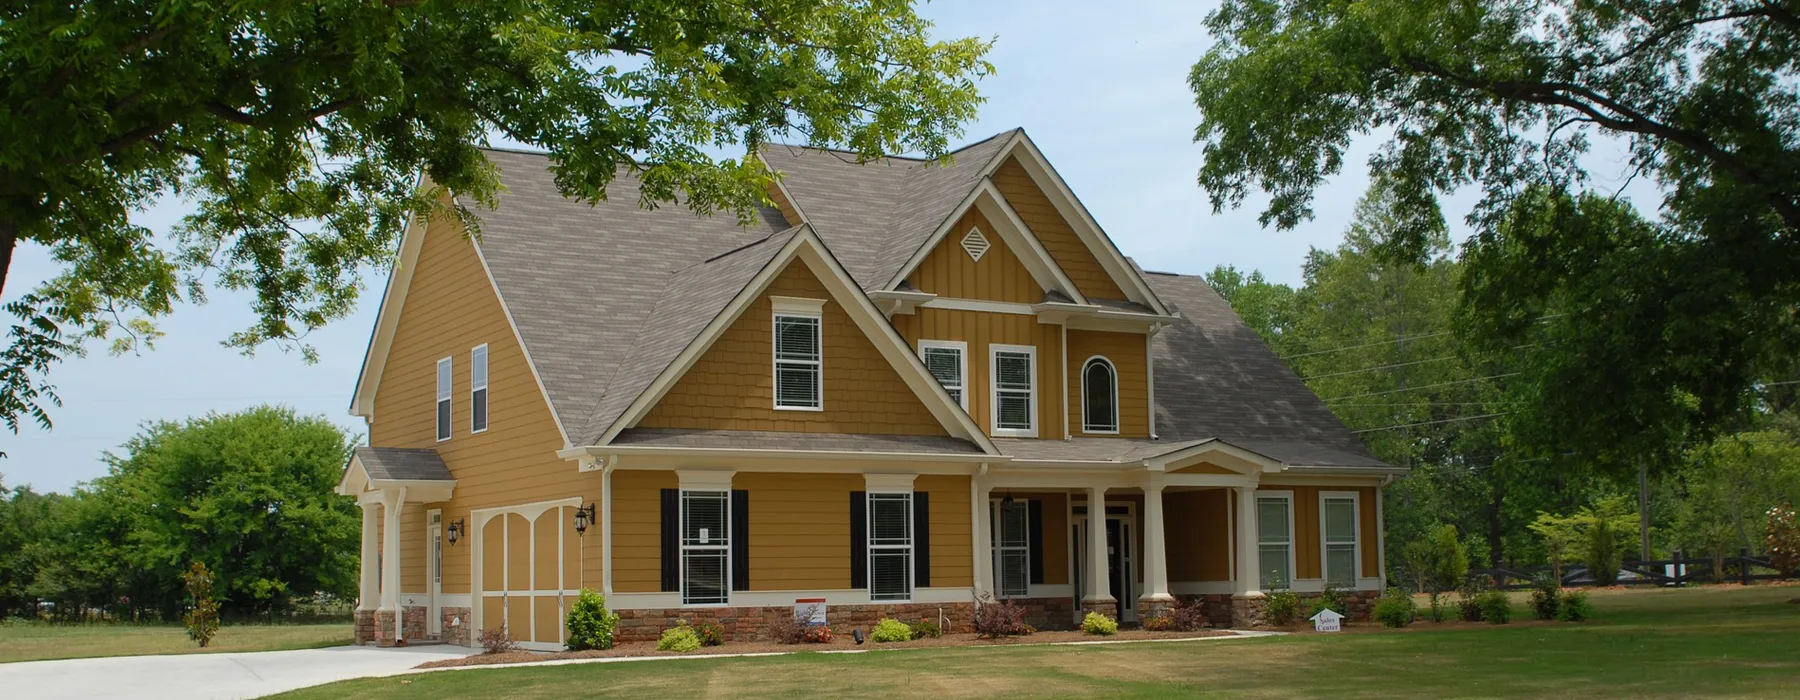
column 365, row 627
column 455, row 624
column 1154, row 607
column 1247, row 610
column 384, row 628
column 1109, row 607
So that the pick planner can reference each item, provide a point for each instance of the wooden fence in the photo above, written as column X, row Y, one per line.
column 1674, row 571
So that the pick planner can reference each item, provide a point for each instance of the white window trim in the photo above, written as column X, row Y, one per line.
column 994, row 520
column 994, row 351
column 785, row 307
column 1292, row 545
column 1086, row 423
column 445, row 429
column 684, row 547
column 962, row 358
column 487, row 400
column 912, row 534
column 1355, row 530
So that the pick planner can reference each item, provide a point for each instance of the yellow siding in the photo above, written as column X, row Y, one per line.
column 948, row 271
column 449, row 309
column 799, row 529
column 980, row 329
column 1054, row 233
column 732, row 385
column 1368, row 533
column 637, row 529
column 1197, row 535
column 1127, row 353
column 951, row 539
column 1056, row 537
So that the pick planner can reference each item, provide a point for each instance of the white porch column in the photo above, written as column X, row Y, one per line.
column 392, row 502
column 1249, row 564
column 1156, row 551
column 979, row 494
column 371, row 554
column 1099, row 580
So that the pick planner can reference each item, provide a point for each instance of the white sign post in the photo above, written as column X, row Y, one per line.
column 1327, row 620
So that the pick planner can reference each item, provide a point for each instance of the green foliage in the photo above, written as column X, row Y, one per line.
column 1575, row 607
column 590, row 625
column 1158, row 623
column 1495, row 606
column 1328, row 599
column 926, row 629
column 1395, row 608
column 202, row 619
column 1440, row 559
column 997, row 619
column 709, row 632
column 891, row 630
column 1546, row 595
column 300, row 150
column 1282, row 607
column 1469, row 597
column 679, row 639
column 1781, row 538
column 1591, row 535
column 1100, row 624
column 1722, row 492
column 1601, row 555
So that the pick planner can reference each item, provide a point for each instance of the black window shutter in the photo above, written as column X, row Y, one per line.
column 671, row 540
column 921, row 539
column 1034, row 529
column 740, row 540
column 859, row 540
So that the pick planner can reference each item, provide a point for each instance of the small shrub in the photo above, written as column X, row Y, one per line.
column 1575, row 607
column 784, row 629
column 203, row 621
column 709, row 632
column 926, row 629
column 1495, row 606
column 590, row 624
column 1188, row 616
column 1469, row 598
column 1602, row 554
column 1438, row 611
column 1096, row 623
column 1545, row 595
column 996, row 619
column 680, row 639
column 1329, row 599
column 891, row 630
column 1396, row 608
column 1781, row 539
column 816, row 634
column 496, row 640
column 1158, row 624
column 1282, row 607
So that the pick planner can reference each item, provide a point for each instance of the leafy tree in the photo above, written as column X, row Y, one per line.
column 1596, row 534
column 202, row 620
column 298, row 132
column 1683, row 316
column 1439, row 560
column 1726, row 488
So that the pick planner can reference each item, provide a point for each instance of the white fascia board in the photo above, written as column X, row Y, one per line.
column 1019, row 237
column 753, row 453
column 387, row 316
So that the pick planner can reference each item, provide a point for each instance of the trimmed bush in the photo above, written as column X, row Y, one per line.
column 590, row 624
column 924, row 629
column 996, row 619
column 1575, row 607
column 1329, row 599
column 891, row 630
column 709, row 632
column 1396, row 608
column 679, row 639
column 817, row 634
column 1158, row 624
column 1495, row 607
column 1545, row 596
column 1469, row 598
column 1096, row 623
column 496, row 640
column 1282, row 607
column 202, row 620
column 1188, row 616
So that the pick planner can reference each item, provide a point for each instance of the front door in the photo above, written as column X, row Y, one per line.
column 1115, row 564
column 434, row 619
column 1120, row 571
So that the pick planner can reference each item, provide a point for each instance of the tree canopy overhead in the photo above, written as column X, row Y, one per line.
column 1649, row 333
column 298, row 131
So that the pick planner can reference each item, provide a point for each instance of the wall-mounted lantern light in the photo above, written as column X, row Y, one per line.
column 454, row 531
column 584, row 516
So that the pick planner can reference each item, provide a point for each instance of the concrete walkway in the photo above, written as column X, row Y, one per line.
column 228, row 675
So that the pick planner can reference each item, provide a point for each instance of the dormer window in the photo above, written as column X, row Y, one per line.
column 799, row 380
column 1099, row 396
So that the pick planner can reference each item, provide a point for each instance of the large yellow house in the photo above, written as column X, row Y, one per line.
column 908, row 387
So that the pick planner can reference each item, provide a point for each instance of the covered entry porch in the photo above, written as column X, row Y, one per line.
column 385, row 481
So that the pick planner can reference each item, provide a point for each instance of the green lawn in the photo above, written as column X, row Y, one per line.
column 1725, row 641
column 34, row 642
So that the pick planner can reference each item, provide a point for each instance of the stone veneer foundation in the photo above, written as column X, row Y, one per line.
column 412, row 616
column 365, row 627
column 455, row 624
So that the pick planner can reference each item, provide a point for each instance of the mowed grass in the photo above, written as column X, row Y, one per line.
column 1714, row 641
column 37, row 642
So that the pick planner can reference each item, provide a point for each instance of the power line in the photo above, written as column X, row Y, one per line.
column 1407, row 364
column 1426, row 403
column 1432, row 422
column 1423, row 387
column 1545, row 317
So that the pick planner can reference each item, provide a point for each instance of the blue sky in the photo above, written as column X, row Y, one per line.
column 1101, row 88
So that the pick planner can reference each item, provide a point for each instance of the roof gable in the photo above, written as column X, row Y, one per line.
column 950, row 270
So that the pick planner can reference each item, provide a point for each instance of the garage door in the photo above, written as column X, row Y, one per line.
column 530, row 566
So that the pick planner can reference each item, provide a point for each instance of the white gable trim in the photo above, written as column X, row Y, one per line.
column 1122, row 271
column 805, row 246
column 1011, row 229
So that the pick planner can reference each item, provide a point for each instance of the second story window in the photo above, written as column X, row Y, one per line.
column 1099, row 397
column 478, row 389
column 443, row 399
column 947, row 361
column 799, row 384
column 1015, row 390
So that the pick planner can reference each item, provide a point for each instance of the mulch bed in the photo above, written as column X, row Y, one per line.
column 842, row 643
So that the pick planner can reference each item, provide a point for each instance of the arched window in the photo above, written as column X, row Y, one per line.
column 1099, row 396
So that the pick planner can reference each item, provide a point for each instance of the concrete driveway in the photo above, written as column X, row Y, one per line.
column 228, row 675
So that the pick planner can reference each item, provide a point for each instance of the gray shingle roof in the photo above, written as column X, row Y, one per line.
column 402, row 464
column 767, row 440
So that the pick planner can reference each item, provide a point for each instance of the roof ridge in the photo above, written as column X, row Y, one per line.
column 916, row 159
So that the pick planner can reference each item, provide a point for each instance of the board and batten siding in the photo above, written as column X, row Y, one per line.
column 732, row 385
column 450, row 308
column 1197, row 525
column 981, row 329
column 1053, row 232
column 950, row 272
column 1127, row 353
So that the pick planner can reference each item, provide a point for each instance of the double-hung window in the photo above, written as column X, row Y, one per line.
column 478, row 388
column 443, row 399
column 798, row 368
column 1275, row 540
column 1015, row 390
column 948, row 361
column 1012, row 547
column 1337, row 526
column 1099, row 396
column 705, row 547
column 890, row 546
